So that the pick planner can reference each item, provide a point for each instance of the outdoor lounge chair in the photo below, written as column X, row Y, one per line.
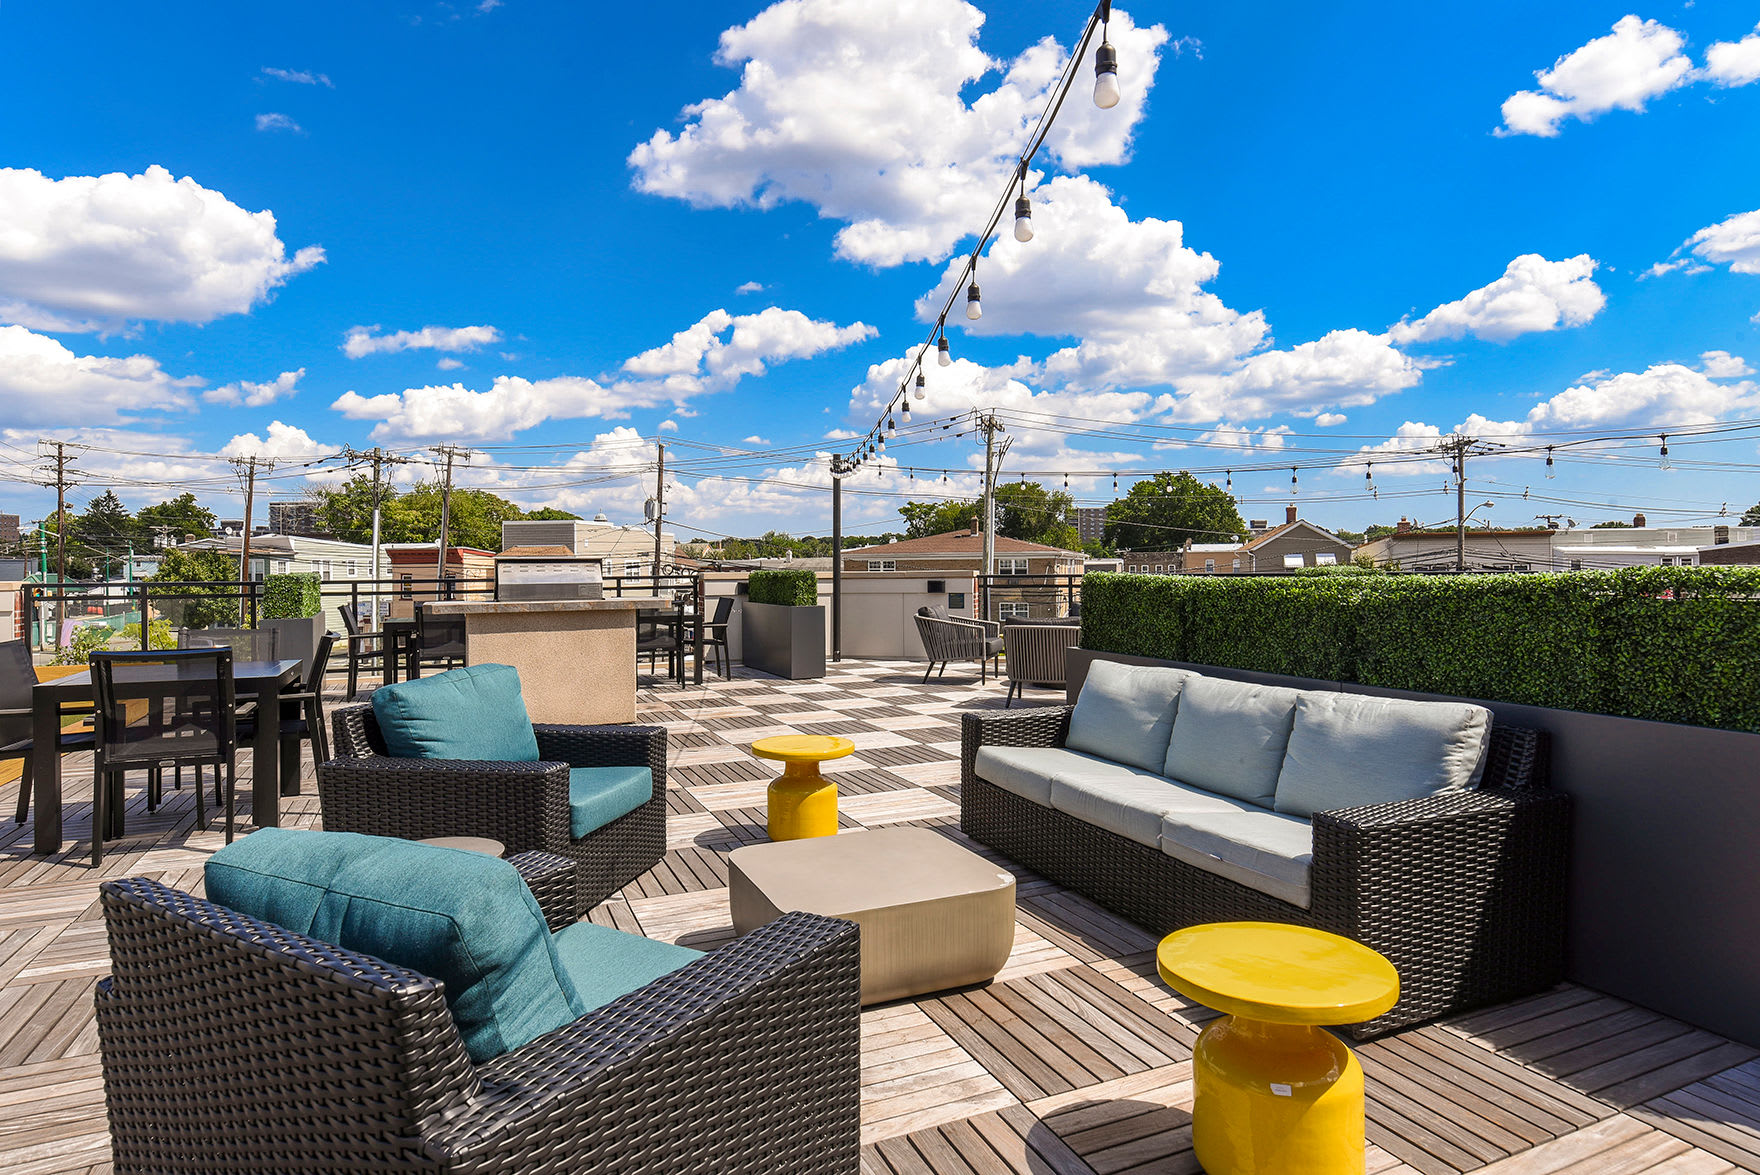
column 955, row 638
column 230, row 1043
column 1036, row 655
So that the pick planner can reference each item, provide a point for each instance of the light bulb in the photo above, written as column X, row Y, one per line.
column 1023, row 220
column 1550, row 473
column 891, row 429
column 921, row 384
column 1106, row 92
column 905, row 411
column 880, row 445
column 974, row 307
column 942, row 355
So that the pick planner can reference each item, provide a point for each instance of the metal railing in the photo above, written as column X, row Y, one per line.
column 53, row 611
column 1029, row 597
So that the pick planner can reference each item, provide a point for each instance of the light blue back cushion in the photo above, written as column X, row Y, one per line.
column 466, row 919
column 1348, row 750
column 1124, row 712
column 606, row 963
column 599, row 795
column 1230, row 737
column 471, row 713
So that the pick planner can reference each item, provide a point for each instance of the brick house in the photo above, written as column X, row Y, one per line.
column 960, row 554
column 1294, row 545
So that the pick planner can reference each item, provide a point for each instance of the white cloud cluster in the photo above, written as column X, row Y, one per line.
column 856, row 109
column 97, row 252
column 1533, row 294
column 1637, row 61
column 247, row 394
column 720, row 348
column 1723, row 365
column 44, row 383
column 1735, row 242
column 300, row 77
column 281, row 442
column 1341, row 369
column 362, row 341
column 276, row 121
column 1734, row 63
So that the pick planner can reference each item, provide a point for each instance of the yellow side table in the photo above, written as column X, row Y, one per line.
column 1274, row 1093
column 803, row 803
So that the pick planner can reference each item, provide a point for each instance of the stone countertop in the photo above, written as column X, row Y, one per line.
column 507, row 607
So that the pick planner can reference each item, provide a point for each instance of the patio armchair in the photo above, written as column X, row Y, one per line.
column 955, row 638
column 1037, row 655
column 523, row 804
column 230, row 1043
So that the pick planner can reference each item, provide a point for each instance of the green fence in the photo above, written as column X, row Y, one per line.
column 1664, row 643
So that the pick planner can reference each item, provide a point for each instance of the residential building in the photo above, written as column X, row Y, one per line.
column 1546, row 549
column 1271, row 550
column 334, row 562
column 1643, row 545
column 8, row 529
column 1413, row 548
column 298, row 518
column 1730, row 554
column 413, row 565
column 624, row 550
column 1090, row 523
column 960, row 553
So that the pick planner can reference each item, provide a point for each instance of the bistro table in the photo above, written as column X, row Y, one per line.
column 258, row 681
column 687, row 635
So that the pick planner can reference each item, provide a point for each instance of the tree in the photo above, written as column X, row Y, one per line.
column 1354, row 538
column 1033, row 514
column 105, row 529
column 1379, row 532
column 1751, row 516
column 199, row 607
column 182, row 515
column 926, row 518
column 474, row 517
column 1614, row 525
column 551, row 514
column 1164, row 511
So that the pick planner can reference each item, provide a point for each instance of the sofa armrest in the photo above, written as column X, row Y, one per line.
column 1043, row 726
column 605, row 746
column 524, row 805
column 746, row 1061
column 551, row 878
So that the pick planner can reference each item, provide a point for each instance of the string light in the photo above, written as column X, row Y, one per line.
column 1228, row 479
column 1550, row 472
column 904, row 410
column 891, row 429
column 974, row 306
column 1023, row 212
column 921, row 385
column 1666, row 465
column 942, row 355
column 1106, row 91
column 1294, row 486
column 1115, row 483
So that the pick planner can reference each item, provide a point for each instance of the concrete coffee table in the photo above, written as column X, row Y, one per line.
column 933, row 915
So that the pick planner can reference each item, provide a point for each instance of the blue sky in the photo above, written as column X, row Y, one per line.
column 1311, row 235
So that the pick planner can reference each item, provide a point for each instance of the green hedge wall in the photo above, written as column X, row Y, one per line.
column 799, row 589
column 290, row 597
column 1673, row 644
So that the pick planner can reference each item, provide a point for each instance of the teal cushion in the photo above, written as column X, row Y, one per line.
column 466, row 919
column 604, row 963
column 470, row 713
column 1230, row 737
column 599, row 795
column 1125, row 712
column 1348, row 750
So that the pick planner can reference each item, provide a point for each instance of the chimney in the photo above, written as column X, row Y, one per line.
column 1404, row 526
column 1289, row 515
column 1637, row 520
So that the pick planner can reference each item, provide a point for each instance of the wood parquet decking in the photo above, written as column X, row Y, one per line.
column 1075, row 1060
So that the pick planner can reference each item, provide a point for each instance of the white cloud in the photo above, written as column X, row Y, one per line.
column 842, row 434
column 668, row 426
column 1329, row 419
column 279, row 122
column 1410, row 439
column 749, row 288
column 44, row 383
column 247, row 394
column 361, row 341
column 1533, row 294
column 95, row 252
column 1735, row 241
column 301, row 77
column 487, row 6
column 756, row 440
column 719, row 348
column 857, row 109
column 449, row 364
column 1734, row 63
column 1723, row 365
column 283, row 442
column 1637, row 61
column 1668, row 393
column 1341, row 369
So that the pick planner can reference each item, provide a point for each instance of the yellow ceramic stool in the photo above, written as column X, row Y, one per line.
column 1274, row 1093
column 803, row 803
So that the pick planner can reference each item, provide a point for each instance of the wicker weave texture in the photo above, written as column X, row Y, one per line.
column 1464, row 893
column 233, row 1045
column 523, row 805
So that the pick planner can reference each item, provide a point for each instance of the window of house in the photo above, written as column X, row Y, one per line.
column 1576, row 564
column 632, row 566
column 1325, row 559
column 354, row 569
column 1013, row 610
column 1669, row 536
column 883, row 565
column 1209, row 567
column 408, row 589
column 1292, row 561
column 1011, row 567
column 1237, row 565
column 322, row 567
column 1668, row 560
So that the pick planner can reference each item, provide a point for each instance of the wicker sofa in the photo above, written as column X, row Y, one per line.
column 1463, row 891
column 524, row 805
column 231, row 1044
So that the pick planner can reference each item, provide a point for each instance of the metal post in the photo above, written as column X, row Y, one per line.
column 836, row 559
column 659, row 509
column 1460, row 506
column 144, row 620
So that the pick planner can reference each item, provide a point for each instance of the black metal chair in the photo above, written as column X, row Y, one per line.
column 655, row 635
column 302, row 711
column 715, row 635
column 439, row 642
column 191, row 719
column 17, row 676
column 366, row 650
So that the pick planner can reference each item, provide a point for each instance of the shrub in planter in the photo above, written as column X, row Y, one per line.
column 290, row 596
column 794, row 589
column 783, row 625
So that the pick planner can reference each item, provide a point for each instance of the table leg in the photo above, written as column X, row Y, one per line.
column 289, row 752
column 266, row 759
column 46, row 772
column 803, row 803
column 1275, row 1098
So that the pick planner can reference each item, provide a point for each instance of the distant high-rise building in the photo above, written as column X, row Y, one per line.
column 1091, row 523
column 8, row 528
column 294, row 518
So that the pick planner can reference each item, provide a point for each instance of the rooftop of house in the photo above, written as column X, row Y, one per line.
column 960, row 542
column 542, row 552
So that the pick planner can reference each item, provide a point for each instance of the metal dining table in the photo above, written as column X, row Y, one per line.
column 254, row 681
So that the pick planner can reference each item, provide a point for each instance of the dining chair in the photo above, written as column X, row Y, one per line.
column 190, row 719
column 366, row 650
column 17, row 677
column 715, row 635
column 439, row 641
column 654, row 635
column 302, row 708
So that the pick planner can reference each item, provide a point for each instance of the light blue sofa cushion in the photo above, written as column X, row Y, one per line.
column 599, row 795
column 1028, row 771
column 1130, row 801
column 1124, row 712
column 466, row 919
column 471, row 713
column 1230, row 737
column 1261, row 850
column 1348, row 750
column 604, row 963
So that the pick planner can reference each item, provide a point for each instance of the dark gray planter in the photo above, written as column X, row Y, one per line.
column 784, row 640
column 298, row 638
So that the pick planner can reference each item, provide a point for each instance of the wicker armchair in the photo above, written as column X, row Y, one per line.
column 231, row 1044
column 1036, row 655
column 957, row 639
column 522, row 805
column 1464, row 892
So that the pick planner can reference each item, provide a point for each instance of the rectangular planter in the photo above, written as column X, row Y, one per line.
column 784, row 640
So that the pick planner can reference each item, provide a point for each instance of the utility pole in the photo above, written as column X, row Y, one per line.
column 378, row 458
column 992, row 464
column 451, row 453
column 659, row 509
column 247, row 467
column 1458, row 448
column 62, row 484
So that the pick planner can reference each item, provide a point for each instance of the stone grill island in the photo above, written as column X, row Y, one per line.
column 576, row 658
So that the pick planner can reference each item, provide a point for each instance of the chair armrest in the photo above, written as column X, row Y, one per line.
column 1044, row 726
column 551, row 878
column 745, row 1061
column 522, row 805
column 605, row 746
column 16, row 712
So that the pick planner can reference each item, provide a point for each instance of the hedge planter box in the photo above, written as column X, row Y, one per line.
column 784, row 639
